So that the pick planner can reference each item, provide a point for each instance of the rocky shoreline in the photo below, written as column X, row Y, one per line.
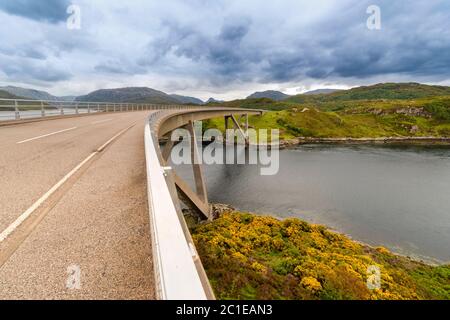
column 382, row 140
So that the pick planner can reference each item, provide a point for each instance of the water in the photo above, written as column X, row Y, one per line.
column 397, row 197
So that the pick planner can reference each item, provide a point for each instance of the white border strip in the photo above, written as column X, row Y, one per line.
column 46, row 135
column 13, row 226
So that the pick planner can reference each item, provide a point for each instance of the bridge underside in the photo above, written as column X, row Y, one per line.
column 197, row 200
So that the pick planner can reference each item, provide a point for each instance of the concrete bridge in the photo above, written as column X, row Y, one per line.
column 89, row 208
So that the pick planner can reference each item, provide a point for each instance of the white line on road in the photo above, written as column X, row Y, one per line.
column 100, row 121
column 41, row 200
column 46, row 135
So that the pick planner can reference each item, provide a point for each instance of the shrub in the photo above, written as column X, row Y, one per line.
column 259, row 257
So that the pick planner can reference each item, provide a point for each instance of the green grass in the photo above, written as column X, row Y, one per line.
column 428, row 116
column 386, row 91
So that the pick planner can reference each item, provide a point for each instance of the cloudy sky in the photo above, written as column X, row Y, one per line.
column 222, row 48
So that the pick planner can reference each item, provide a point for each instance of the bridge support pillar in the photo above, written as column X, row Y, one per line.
column 196, row 164
column 237, row 126
column 167, row 149
column 198, row 199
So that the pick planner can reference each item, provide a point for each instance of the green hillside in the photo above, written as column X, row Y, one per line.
column 257, row 103
column 384, row 110
column 7, row 95
column 7, row 105
column 387, row 91
column 358, row 119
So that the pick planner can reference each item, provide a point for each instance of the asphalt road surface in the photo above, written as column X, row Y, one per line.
column 73, row 218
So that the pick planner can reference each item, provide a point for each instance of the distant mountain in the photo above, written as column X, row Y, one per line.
column 392, row 91
column 186, row 99
column 271, row 94
column 386, row 91
column 129, row 94
column 321, row 91
column 7, row 95
column 67, row 98
column 29, row 93
column 212, row 100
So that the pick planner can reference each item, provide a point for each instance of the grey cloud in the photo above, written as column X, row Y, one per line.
column 49, row 10
column 34, row 53
column 403, row 46
column 224, row 44
column 351, row 50
column 24, row 52
column 26, row 70
column 220, row 54
column 119, row 67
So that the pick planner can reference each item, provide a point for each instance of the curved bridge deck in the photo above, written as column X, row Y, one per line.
column 74, row 216
column 98, row 220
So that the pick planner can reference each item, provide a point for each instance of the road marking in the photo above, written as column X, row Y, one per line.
column 10, row 229
column 46, row 135
column 100, row 121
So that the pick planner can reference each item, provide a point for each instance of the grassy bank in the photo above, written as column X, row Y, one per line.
column 376, row 120
column 385, row 110
column 258, row 257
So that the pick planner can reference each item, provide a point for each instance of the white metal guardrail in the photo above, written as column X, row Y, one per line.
column 179, row 273
column 176, row 275
column 176, row 261
column 21, row 109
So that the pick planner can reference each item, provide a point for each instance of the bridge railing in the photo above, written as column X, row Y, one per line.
column 22, row 109
column 179, row 273
column 174, row 256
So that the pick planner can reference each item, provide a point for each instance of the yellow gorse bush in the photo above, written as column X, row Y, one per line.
column 250, row 256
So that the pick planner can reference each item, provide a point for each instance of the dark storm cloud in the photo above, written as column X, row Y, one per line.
column 414, row 39
column 220, row 54
column 411, row 42
column 34, row 72
column 228, row 43
column 47, row 10
column 25, row 52
column 119, row 67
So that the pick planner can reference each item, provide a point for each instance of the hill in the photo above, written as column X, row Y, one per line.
column 33, row 94
column 321, row 91
column 258, row 103
column 270, row 94
column 351, row 119
column 386, row 93
column 186, row 99
column 27, row 93
column 67, row 98
column 129, row 94
column 381, row 91
column 7, row 95
column 214, row 101
column 137, row 95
